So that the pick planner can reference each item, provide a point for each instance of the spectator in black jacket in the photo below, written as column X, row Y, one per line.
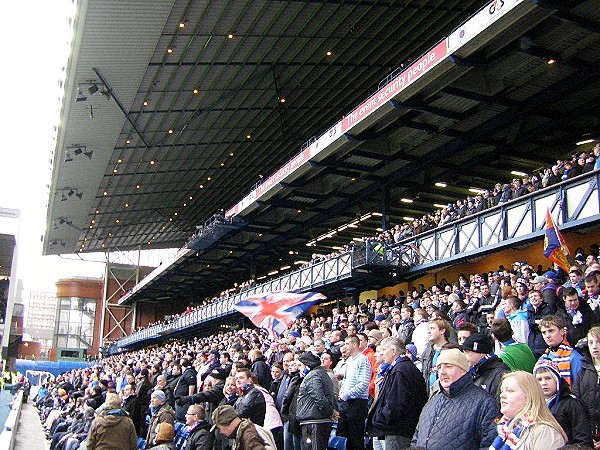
column 251, row 403
column 260, row 368
column 316, row 404
column 292, row 434
column 536, row 310
column 200, row 437
column 400, row 399
column 570, row 412
column 486, row 367
column 131, row 404
column 576, row 314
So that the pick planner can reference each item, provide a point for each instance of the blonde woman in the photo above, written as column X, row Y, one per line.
column 526, row 423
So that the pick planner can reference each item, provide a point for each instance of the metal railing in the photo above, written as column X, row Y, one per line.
column 572, row 203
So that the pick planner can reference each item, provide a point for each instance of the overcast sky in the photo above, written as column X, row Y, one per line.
column 34, row 34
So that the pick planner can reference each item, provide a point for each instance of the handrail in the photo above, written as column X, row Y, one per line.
column 520, row 219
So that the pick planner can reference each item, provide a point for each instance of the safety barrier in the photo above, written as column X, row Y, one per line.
column 9, row 432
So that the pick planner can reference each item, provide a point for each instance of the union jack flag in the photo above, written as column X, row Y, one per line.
column 276, row 311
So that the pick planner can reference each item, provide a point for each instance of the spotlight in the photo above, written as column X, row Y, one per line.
column 93, row 88
column 80, row 96
column 70, row 193
column 79, row 195
column 54, row 225
column 63, row 197
column 78, row 151
column 68, row 157
column 106, row 93
column 88, row 153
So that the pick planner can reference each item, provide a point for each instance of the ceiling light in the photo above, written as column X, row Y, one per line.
column 170, row 131
column 196, row 91
column 286, row 267
column 105, row 193
column 169, row 50
column 230, row 36
column 408, row 219
column 222, row 164
column 152, row 162
column 181, row 25
column 299, row 211
column 300, row 262
column 438, row 205
column 377, row 214
column 441, row 184
column 145, row 102
column 231, row 154
column 208, row 178
column 128, row 141
column 406, row 200
column 126, row 205
column 201, row 186
column 335, row 247
column 119, row 160
column 137, row 186
column 273, row 272
column 191, row 198
column 517, row 173
column 248, row 136
column 476, row 190
column 551, row 61
column 282, row 100
column 329, row 53
column 586, row 141
column 114, row 170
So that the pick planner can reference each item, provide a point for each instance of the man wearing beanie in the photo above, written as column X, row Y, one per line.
column 461, row 415
column 161, row 412
column 316, row 406
column 487, row 368
column 570, row 412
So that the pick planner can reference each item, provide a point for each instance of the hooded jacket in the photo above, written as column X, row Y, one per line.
column 112, row 430
column 569, row 411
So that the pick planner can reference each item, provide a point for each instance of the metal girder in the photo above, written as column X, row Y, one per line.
column 421, row 106
column 478, row 97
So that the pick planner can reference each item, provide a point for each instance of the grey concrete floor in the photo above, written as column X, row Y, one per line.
column 30, row 435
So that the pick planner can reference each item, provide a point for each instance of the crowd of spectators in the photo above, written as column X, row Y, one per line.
column 434, row 367
column 578, row 164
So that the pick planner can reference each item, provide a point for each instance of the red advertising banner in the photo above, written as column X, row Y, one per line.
column 397, row 85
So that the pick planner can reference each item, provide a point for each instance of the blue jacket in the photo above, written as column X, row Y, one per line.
column 461, row 418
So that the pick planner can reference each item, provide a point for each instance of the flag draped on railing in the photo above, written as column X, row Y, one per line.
column 555, row 248
column 276, row 311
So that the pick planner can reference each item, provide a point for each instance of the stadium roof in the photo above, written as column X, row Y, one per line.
column 189, row 103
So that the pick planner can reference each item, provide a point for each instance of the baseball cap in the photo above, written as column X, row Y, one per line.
column 478, row 343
